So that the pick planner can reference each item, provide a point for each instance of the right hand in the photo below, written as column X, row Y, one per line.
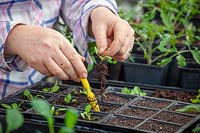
column 47, row 51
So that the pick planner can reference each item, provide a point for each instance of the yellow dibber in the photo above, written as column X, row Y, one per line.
column 90, row 95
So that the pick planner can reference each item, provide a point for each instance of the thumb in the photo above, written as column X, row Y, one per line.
column 100, row 35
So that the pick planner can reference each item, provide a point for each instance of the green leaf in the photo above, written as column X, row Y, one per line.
column 196, row 55
column 96, row 50
column 61, row 109
column 52, row 110
column 46, row 89
column 14, row 106
column 143, row 94
column 181, row 60
column 40, row 96
column 165, row 61
column 42, row 107
column 165, row 40
column 71, row 118
column 68, row 98
column 110, row 60
column 131, row 59
column 88, row 108
column 27, row 92
column 166, row 20
column 55, row 89
column 84, row 92
column 14, row 119
column 137, row 90
column 196, row 129
column 90, row 67
column 195, row 101
column 6, row 106
column 189, row 108
column 125, row 90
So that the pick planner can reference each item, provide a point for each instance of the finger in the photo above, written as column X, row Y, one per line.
column 82, row 58
column 118, row 41
column 75, row 59
column 55, row 69
column 101, row 37
column 123, row 57
column 127, row 47
column 42, row 69
column 126, row 50
column 65, row 64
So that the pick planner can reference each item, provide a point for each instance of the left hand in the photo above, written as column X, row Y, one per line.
column 114, row 36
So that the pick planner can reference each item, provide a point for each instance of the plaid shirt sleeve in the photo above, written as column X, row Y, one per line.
column 14, row 73
column 8, row 64
column 76, row 14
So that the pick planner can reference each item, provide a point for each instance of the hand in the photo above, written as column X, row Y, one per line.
column 47, row 51
column 113, row 35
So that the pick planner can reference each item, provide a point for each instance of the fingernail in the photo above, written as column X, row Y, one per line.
column 84, row 75
column 101, row 50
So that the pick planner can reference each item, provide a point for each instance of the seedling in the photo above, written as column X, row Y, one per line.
column 197, row 98
column 30, row 97
column 12, row 105
column 135, row 91
column 14, row 119
column 53, row 89
column 68, row 99
column 84, row 92
column 149, row 31
column 70, row 120
column 94, row 52
column 189, row 108
column 87, row 114
column 57, row 111
column 43, row 108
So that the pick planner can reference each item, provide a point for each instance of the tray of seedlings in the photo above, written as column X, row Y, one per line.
column 122, row 109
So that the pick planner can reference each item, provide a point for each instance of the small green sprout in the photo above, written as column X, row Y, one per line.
column 12, row 105
column 53, row 89
column 84, row 92
column 30, row 97
column 135, row 91
column 68, row 99
column 87, row 114
column 55, row 111
column 196, row 100
column 189, row 108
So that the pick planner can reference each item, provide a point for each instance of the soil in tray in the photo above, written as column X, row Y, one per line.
column 108, row 107
column 172, row 117
column 123, row 121
column 174, row 95
column 59, row 100
column 159, row 127
column 152, row 103
column 111, row 97
column 137, row 112
column 179, row 106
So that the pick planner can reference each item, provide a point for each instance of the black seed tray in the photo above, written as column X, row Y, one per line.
column 128, row 102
